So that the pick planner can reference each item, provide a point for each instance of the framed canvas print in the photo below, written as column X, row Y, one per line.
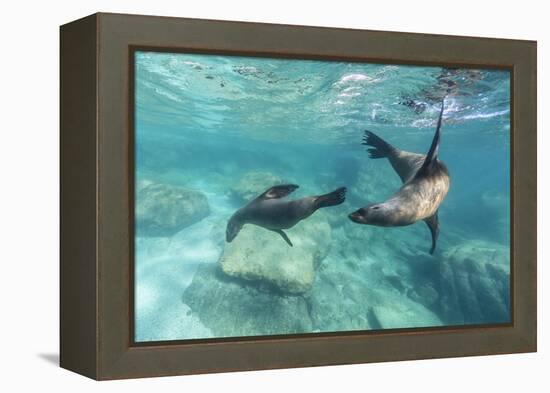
column 239, row 196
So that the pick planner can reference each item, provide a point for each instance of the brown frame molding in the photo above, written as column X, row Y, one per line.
column 97, row 196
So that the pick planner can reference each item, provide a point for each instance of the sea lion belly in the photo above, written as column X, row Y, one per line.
column 420, row 198
column 275, row 214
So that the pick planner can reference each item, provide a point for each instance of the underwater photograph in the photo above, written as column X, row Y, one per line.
column 289, row 196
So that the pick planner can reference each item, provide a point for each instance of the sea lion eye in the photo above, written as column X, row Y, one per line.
column 376, row 207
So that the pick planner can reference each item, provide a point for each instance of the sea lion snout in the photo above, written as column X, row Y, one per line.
column 375, row 214
column 358, row 216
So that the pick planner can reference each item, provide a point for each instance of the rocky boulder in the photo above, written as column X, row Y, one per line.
column 163, row 210
column 353, row 294
column 230, row 307
column 260, row 255
column 476, row 283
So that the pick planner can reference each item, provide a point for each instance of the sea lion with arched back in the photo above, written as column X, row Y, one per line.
column 271, row 211
column 426, row 182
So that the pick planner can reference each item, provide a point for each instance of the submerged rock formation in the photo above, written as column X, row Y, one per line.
column 231, row 307
column 163, row 210
column 464, row 284
column 351, row 294
column 260, row 255
column 252, row 184
column 260, row 284
column 475, row 285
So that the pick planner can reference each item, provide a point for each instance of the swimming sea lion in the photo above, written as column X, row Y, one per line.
column 426, row 182
column 270, row 211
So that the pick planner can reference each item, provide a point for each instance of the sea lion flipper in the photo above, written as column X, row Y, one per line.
column 431, row 157
column 284, row 236
column 433, row 225
column 280, row 191
column 404, row 163
column 380, row 148
column 333, row 198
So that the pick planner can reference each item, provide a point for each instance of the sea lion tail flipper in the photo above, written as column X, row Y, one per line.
column 333, row 198
column 433, row 225
column 431, row 157
column 279, row 191
column 283, row 235
column 381, row 148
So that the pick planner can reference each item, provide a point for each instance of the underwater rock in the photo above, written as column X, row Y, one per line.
column 163, row 210
column 475, row 283
column 463, row 284
column 233, row 307
column 252, row 184
column 336, row 300
column 257, row 254
column 356, row 240
column 396, row 311
column 349, row 295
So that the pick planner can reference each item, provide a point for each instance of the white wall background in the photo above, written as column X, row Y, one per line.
column 29, row 193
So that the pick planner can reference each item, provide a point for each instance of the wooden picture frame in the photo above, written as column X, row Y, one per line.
column 97, row 196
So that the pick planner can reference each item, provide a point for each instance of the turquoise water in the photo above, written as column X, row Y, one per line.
column 212, row 132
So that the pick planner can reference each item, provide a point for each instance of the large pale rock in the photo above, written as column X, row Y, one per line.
column 257, row 254
column 230, row 307
column 252, row 184
column 163, row 210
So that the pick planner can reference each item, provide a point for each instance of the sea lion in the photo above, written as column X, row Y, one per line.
column 425, row 179
column 270, row 211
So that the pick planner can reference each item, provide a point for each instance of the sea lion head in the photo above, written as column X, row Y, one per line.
column 233, row 228
column 374, row 214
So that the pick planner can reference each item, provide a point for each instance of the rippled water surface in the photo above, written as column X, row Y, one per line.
column 212, row 132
